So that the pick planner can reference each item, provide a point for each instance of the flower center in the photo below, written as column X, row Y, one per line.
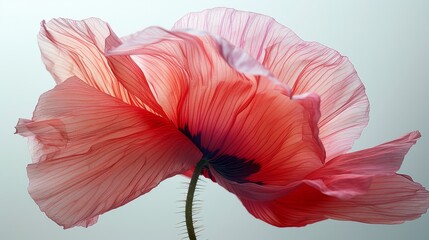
column 230, row 167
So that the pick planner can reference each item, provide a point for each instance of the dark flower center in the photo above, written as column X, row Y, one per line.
column 231, row 167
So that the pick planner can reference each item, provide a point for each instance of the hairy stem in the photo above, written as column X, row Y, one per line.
column 190, row 197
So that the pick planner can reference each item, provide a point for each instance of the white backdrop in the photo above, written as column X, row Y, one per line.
column 387, row 41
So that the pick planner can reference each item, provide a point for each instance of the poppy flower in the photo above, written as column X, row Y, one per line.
column 273, row 116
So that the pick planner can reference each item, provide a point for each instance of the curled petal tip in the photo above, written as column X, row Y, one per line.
column 416, row 134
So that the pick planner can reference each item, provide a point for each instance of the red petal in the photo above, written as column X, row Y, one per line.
column 273, row 132
column 95, row 153
column 389, row 200
column 178, row 63
column 292, row 210
column 281, row 135
column 76, row 48
column 305, row 67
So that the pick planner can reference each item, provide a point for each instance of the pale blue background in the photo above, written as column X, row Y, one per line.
column 387, row 41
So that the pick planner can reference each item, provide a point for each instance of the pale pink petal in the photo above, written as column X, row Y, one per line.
column 383, row 159
column 242, row 34
column 305, row 67
column 312, row 67
column 350, row 174
column 95, row 153
column 389, row 200
column 77, row 48
column 242, row 62
column 251, row 32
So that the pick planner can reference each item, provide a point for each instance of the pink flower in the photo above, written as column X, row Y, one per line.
column 274, row 115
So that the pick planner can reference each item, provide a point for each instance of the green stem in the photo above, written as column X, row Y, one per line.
column 190, row 197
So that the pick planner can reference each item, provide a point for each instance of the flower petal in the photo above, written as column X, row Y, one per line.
column 251, row 32
column 304, row 67
column 292, row 210
column 360, row 186
column 390, row 199
column 244, row 63
column 95, row 153
column 76, row 48
column 383, row 159
column 279, row 134
column 265, row 140
column 312, row 67
column 350, row 174
column 176, row 63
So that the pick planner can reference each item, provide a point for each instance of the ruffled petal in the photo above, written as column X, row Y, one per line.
column 390, row 199
column 360, row 186
column 178, row 63
column 304, row 67
column 314, row 68
column 244, row 63
column 93, row 153
column 172, row 62
column 385, row 158
column 351, row 174
column 251, row 32
column 76, row 48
